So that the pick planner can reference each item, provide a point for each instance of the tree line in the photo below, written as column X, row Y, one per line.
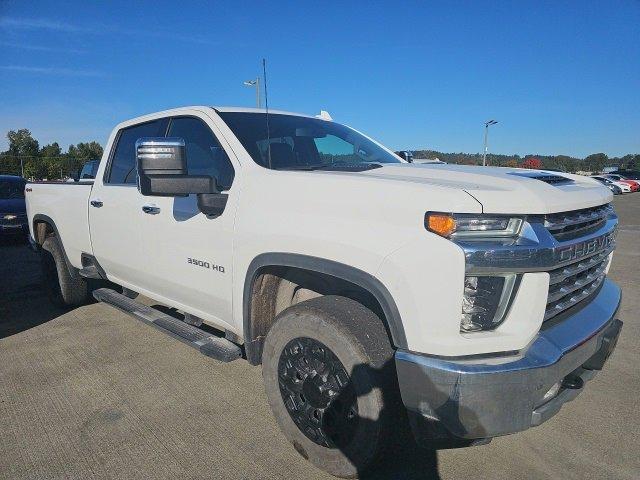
column 26, row 157
column 562, row 163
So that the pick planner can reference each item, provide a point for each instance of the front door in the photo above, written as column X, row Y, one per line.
column 189, row 255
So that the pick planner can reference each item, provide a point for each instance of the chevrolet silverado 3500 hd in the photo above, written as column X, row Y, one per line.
column 472, row 301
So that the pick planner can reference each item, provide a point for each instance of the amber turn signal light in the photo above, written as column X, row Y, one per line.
column 441, row 223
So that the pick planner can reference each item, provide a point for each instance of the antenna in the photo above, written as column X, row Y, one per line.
column 266, row 109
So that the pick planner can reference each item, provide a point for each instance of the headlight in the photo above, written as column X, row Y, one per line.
column 485, row 301
column 451, row 225
column 10, row 217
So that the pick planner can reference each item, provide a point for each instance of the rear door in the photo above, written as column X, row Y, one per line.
column 115, row 208
column 189, row 255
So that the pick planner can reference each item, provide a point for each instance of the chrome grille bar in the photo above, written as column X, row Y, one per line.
column 577, row 282
column 561, row 274
column 569, row 225
column 555, row 308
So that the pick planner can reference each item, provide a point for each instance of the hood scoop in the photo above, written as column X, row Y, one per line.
column 545, row 177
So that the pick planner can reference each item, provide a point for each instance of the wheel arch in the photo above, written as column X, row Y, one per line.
column 254, row 329
column 42, row 227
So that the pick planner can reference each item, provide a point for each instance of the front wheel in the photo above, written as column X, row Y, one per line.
column 330, row 380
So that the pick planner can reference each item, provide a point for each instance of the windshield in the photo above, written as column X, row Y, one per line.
column 11, row 189
column 302, row 143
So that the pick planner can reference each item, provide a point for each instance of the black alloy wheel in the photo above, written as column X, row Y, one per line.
column 318, row 393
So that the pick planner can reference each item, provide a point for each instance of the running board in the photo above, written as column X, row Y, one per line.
column 208, row 344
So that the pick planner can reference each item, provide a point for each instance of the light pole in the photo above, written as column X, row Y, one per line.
column 255, row 83
column 486, row 134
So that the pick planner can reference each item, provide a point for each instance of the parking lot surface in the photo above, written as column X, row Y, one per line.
column 93, row 393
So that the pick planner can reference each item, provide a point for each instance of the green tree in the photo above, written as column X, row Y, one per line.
column 35, row 168
column 51, row 150
column 86, row 151
column 22, row 143
column 595, row 162
column 513, row 163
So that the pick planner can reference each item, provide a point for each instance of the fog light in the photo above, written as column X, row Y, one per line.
column 552, row 392
column 485, row 301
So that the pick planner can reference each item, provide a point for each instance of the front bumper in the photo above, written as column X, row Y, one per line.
column 491, row 396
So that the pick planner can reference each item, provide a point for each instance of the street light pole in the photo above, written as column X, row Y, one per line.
column 255, row 83
column 486, row 135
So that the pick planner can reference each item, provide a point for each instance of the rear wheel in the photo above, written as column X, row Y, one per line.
column 330, row 380
column 63, row 284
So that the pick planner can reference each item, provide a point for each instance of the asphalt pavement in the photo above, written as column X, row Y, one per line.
column 93, row 393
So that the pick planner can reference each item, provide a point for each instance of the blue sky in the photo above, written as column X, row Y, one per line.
column 561, row 77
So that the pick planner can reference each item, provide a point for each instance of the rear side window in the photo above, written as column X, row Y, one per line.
column 123, row 162
column 205, row 155
column 89, row 170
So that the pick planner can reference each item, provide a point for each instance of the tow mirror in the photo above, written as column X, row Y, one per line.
column 162, row 172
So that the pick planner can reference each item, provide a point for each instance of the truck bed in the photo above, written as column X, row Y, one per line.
column 65, row 207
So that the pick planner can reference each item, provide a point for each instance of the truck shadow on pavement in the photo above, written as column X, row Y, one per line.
column 23, row 301
column 406, row 458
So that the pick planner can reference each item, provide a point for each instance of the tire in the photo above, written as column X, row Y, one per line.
column 64, row 288
column 307, row 353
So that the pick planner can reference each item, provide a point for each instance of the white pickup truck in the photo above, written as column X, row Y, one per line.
column 472, row 301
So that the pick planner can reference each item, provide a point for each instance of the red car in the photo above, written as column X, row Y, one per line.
column 634, row 184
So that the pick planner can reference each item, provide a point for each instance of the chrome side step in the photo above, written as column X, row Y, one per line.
column 205, row 342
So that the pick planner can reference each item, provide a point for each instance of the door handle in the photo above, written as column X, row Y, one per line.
column 151, row 210
column 96, row 203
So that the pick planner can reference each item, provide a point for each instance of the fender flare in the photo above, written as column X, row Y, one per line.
column 39, row 217
column 327, row 267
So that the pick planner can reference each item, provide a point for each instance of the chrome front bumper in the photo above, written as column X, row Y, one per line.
column 489, row 396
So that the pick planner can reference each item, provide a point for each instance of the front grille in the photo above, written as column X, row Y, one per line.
column 577, row 223
column 573, row 283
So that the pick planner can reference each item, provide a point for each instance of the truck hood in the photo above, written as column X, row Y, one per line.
column 505, row 190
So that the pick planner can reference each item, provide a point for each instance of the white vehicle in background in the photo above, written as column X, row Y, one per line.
column 625, row 187
column 429, row 161
column 408, row 156
column 473, row 300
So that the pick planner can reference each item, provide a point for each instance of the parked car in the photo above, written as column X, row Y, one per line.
column 629, row 174
column 623, row 186
column 634, row 184
column 13, row 212
column 475, row 300
column 615, row 187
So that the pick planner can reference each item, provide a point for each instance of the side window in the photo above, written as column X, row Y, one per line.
column 205, row 155
column 123, row 163
column 86, row 172
column 89, row 170
column 334, row 149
